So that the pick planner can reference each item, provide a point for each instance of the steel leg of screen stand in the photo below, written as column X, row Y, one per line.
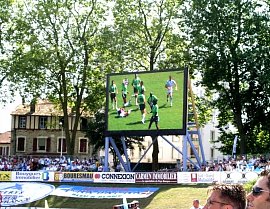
column 125, row 152
column 118, row 154
column 106, row 163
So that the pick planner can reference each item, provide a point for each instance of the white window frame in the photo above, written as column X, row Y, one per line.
column 22, row 121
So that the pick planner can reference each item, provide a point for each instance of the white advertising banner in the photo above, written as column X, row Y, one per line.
column 114, row 177
column 30, row 176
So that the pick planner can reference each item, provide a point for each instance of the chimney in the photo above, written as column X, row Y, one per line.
column 33, row 105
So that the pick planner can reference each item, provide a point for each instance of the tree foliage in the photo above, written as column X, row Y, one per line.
column 54, row 53
column 229, row 45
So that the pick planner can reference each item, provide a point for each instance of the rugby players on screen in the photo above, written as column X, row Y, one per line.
column 136, row 83
column 141, row 101
column 169, row 86
column 125, row 91
column 154, row 117
column 113, row 92
column 151, row 100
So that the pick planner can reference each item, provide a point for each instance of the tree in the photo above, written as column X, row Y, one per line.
column 7, row 88
column 229, row 45
column 54, row 53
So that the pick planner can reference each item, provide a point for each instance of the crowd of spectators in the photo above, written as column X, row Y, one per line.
column 254, row 163
column 15, row 163
column 49, row 163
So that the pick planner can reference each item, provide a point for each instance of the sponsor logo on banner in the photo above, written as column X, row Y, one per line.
column 114, row 177
column 156, row 177
column 16, row 193
column 103, row 192
column 5, row 175
column 183, row 177
column 30, row 176
column 205, row 177
column 74, row 176
column 237, row 177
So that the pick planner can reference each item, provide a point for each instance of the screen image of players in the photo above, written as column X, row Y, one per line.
column 169, row 86
column 113, row 92
column 154, row 117
column 136, row 83
column 125, row 91
column 141, row 101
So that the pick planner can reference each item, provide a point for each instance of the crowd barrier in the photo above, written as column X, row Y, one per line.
column 131, row 177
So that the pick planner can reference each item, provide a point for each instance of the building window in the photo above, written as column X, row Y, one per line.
column 83, row 146
column 22, row 122
column 212, row 136
column 4, row 151
column 64, row 145
column 41, row 144
column 83, row 124
column 43, row 122
column 212, row 153
column 21, row 144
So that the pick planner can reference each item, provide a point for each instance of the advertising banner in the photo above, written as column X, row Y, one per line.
column 114, row 177
column 156, row 177
column 103, row 192
column 16, row 193
column 73, row 176
column 30, row 176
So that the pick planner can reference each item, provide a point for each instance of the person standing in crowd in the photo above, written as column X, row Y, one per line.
column 154, row 117
column 136, row 83
column 113, row 92
column 125, row 91
column 226, row 196
column 259, row 197
column 141, row 101
column 169, row 86
column 196, row 204
column 151, row 99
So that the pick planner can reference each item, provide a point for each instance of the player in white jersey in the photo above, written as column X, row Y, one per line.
column 169, row 86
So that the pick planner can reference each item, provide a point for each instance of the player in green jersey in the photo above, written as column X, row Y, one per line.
column 113, row 92
column 151, row 100
column 154, row 117
column 136, row 83
column 125, row 91
column 141, row 88
column 141, row 101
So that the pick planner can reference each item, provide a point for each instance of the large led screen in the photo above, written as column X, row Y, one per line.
column 146, row 103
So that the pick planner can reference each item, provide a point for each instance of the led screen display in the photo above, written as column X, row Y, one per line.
column 146, row 103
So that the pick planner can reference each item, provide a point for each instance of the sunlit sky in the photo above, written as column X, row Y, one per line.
column 5, row 117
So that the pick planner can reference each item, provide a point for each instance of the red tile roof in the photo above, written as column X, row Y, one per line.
column 5, row 137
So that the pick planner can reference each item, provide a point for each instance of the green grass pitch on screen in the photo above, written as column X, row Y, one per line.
column 170, row 117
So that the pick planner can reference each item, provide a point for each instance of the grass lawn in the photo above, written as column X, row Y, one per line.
column 170, row 117
column 168, row 196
